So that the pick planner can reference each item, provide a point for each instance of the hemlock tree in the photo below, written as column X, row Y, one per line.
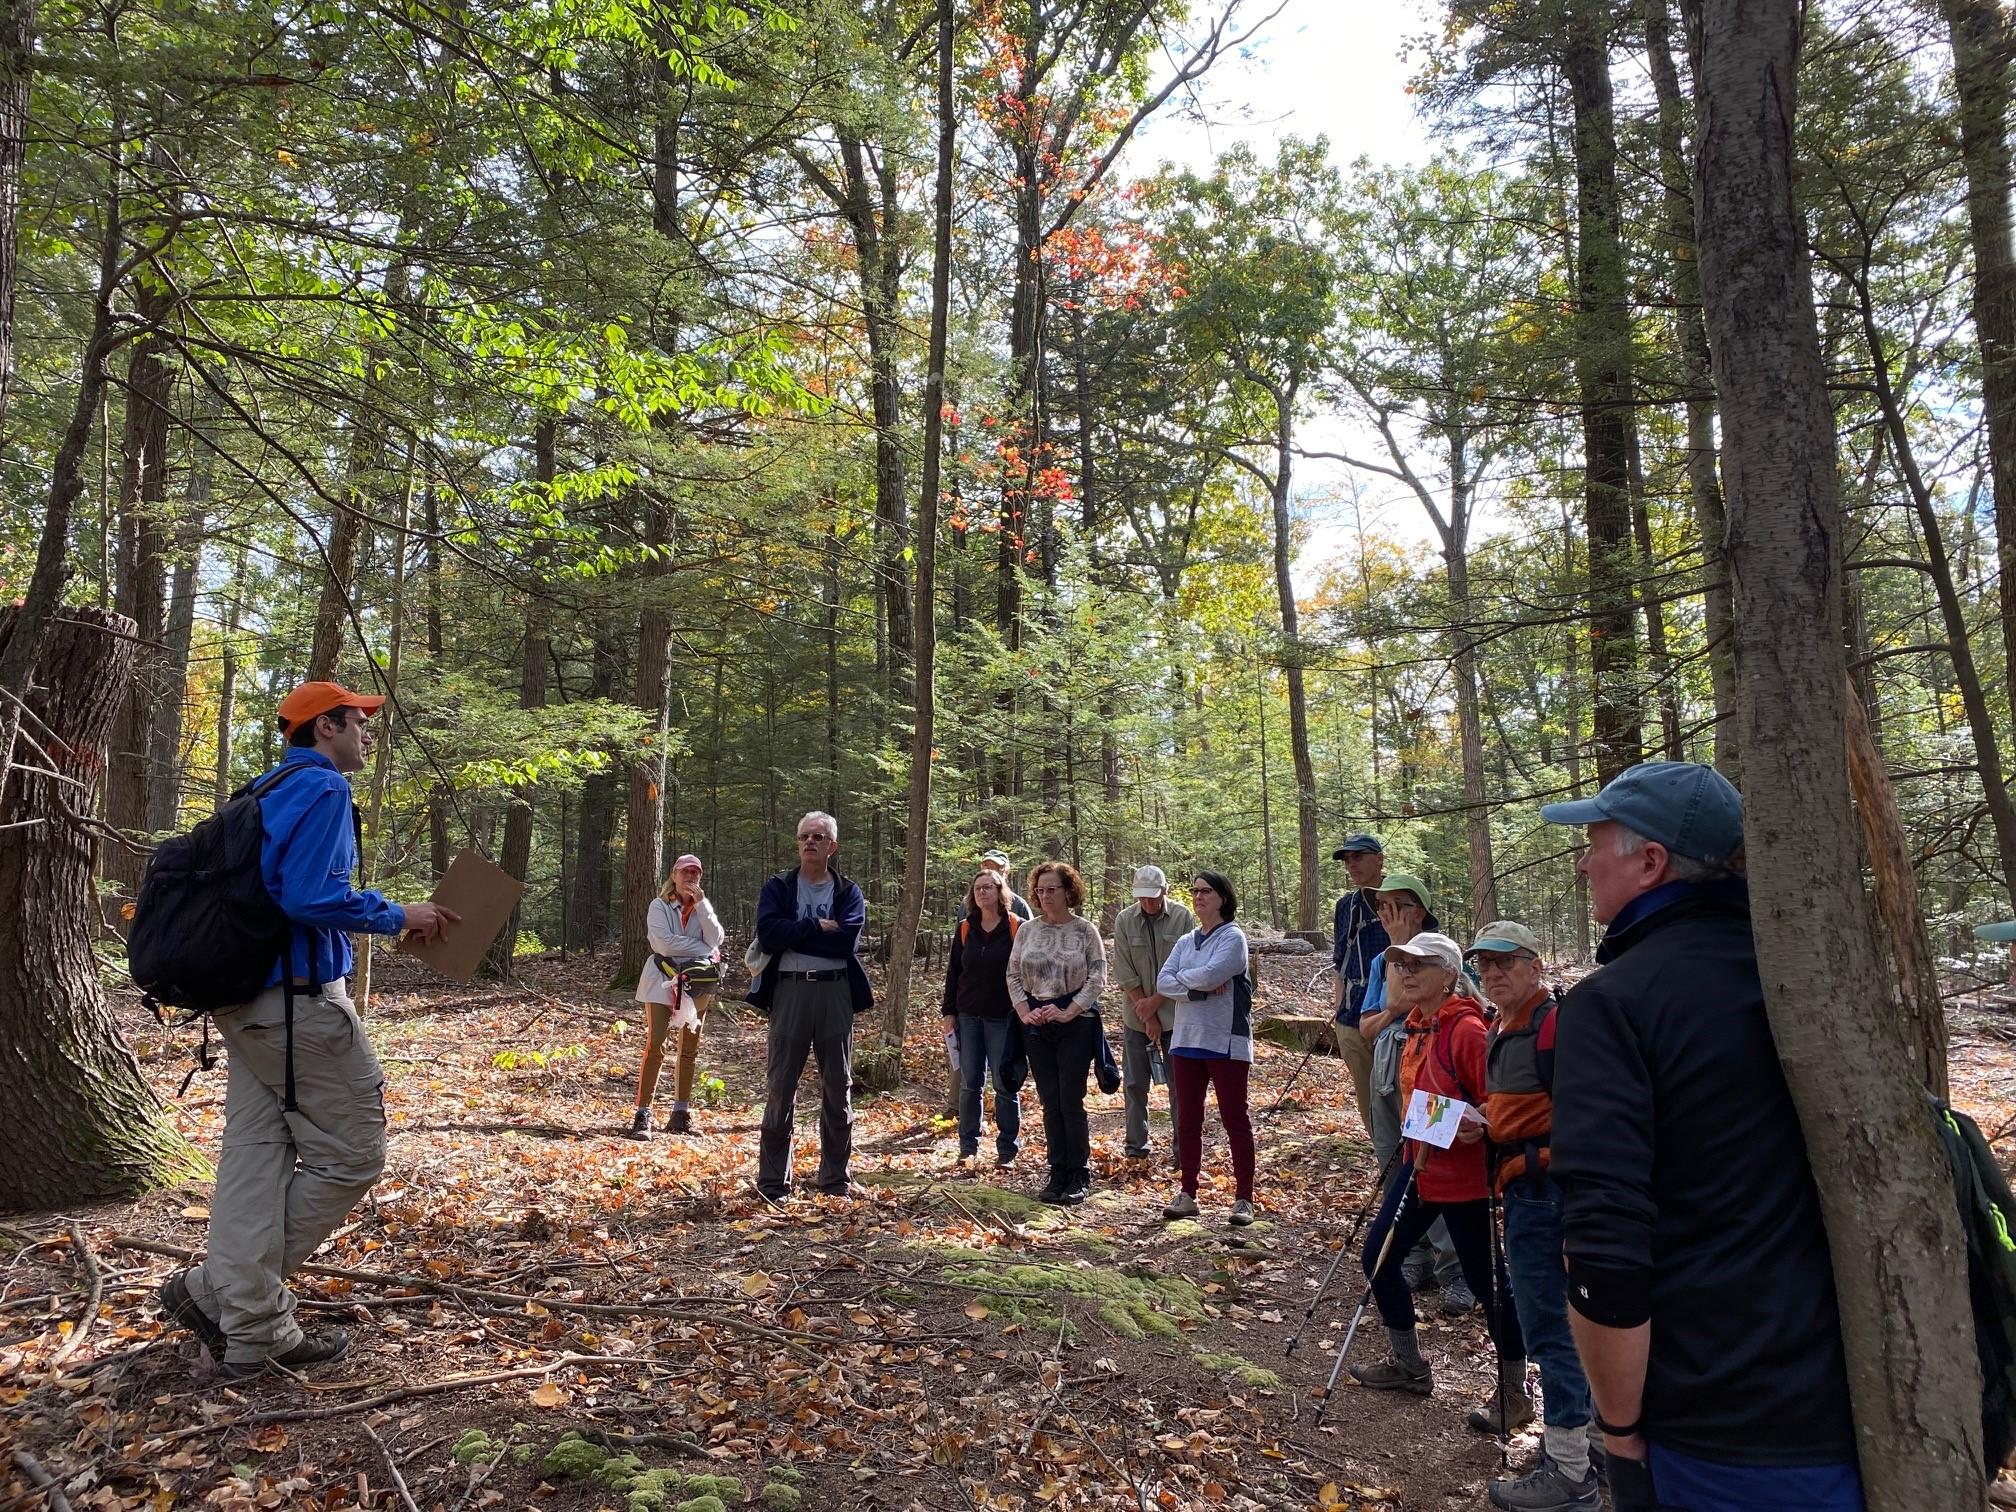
column 1888, row 1200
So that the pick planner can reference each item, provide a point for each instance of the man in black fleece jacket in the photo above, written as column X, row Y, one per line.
column 1700, row 1284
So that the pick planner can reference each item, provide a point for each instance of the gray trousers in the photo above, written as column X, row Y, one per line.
column 286, row 1180
column 815, row 1018
column 1386, row 1117
column 1134, row 1084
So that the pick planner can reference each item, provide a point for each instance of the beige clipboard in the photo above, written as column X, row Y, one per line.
column 484, row 894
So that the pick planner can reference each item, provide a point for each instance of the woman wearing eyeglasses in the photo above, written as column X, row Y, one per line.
column 1212, row 1046
column 1445, row 1058
column 1056, row 971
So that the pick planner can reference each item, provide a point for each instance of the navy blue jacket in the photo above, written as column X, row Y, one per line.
column 1357, row 937
column 778, row 929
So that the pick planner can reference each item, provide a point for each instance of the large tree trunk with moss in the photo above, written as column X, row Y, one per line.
column 81, row 1121
column 1886, row 1196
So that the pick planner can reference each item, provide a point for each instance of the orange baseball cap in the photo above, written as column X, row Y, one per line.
column 312, row 699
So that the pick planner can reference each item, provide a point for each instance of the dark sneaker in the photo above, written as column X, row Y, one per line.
column 1242, row 1213
column 1418, row 1271
column 1004, row 1159
column 1391, row 1375
column 1073, row 1194
column 681, row 1122
column 1547, row 1490
column 640, row 1124
column 1457, row 1299
column 325, row 1346
column 1182, row 1205
column 180, row 1308
column 1518, row 1408
column 1052, row 1190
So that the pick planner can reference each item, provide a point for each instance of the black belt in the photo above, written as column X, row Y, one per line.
column 810, row 976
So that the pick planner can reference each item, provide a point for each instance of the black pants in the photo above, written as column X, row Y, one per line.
column 1060, row 1058
column 1469, row 1230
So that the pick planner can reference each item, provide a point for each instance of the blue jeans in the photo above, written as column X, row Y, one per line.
column 1687, row 1484
column 996, row 1043
column 1540, row 1293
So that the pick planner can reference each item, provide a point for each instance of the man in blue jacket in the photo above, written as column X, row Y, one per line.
column 808, row 922
column 287, row 1177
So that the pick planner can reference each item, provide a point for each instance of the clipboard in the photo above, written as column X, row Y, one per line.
column 484, row 894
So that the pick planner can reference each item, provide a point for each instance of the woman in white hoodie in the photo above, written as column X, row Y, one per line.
column 677, row 987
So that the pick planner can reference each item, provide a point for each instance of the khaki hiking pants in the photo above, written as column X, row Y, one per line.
column 286, row 1180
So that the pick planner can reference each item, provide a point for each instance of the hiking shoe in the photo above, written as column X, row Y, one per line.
column 1004, row 1159
column 180, row 1308
column 1518, row 1408
column 640, row 1124
column 1546, row 1489
column 681, row 1121
column 1073, row 1194
column 1457, row 1299
column 1182, row 1205
column 1051, row 1189
column 1391, row 1375
column 324, row 1346
column 1242, row 1213
column 1418, row 1271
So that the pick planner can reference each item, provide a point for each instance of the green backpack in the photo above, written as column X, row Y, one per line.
column 1988, row 1219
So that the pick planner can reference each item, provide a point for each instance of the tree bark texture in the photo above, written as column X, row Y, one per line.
column 1603, row 375
column 588, row 909
column 1984, row 46
column 1886, row 1197
column 1306, row 816
column 1704, row 477
column 140, row 591
column 644, row 837
column 924, row 636
column 81, row 1121
column 17, row 72
column 534, row 656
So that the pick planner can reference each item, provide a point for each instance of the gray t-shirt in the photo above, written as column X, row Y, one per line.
column 815, row 901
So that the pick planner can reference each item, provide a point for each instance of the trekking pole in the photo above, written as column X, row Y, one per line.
column 1385, row 1248
column 1498, row 1300
column 1350, row 1243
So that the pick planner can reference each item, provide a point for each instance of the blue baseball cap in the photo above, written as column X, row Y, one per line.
column 1358, row 842
column 1689, row 808
column 1999, row 933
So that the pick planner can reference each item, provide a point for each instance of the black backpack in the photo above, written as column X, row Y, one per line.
column 1988, row 1220
column 206, row 932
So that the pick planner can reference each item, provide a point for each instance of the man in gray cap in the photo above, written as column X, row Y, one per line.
column 1143, row 935
column 997, row 862
column 1700, row 1287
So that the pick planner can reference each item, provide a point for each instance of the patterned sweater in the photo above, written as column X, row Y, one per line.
column 1052, row 960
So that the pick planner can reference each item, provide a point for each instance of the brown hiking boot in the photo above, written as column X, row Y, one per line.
column 1391, row 1375
column 325, row 1346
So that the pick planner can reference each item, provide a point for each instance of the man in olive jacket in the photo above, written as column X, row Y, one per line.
column 1143, row 936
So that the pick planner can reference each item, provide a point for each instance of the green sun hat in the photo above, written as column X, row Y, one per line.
column 1406, row 882
column 1503, row 937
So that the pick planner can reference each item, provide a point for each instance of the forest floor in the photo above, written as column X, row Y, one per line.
column 523, row 1272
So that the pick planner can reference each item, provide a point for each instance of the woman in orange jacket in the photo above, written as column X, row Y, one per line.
column 1444, row 1057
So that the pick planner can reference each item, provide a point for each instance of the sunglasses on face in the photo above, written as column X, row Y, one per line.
column 1410, row 965
column 1493, row 960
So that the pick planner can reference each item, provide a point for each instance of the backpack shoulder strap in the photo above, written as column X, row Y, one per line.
column 259, row 787
column 1448, row 1063
column 1014, row 923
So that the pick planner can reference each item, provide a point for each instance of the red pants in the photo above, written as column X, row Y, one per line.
column 1187, row 1078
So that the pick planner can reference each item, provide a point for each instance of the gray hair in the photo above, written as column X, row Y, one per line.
column 831, row 824
column 1679, row 868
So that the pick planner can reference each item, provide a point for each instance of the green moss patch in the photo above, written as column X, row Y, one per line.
column 644, row 1489
column 1253, row 1375
column 1135, row 1307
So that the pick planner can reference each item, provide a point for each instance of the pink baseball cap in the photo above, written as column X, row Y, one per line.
column 689, row 859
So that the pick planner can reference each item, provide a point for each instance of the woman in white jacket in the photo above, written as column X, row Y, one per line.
column 677, row 987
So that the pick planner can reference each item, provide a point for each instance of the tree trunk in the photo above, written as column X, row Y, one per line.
column 438, row 796
column 535, row 653
column 588, row 911
column 227, row 680
column 17, row 72
column 1603, row 375
column 141, row 591
column 1887, row 1198
column 1306, row 818
column 1704, row 479
column 164, row 793
column 644, row 833
column 1983, row 43
column 82, row 1123
column 910, row 898
column 1470, row 731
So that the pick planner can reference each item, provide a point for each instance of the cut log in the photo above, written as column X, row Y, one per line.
column 1298, row 1031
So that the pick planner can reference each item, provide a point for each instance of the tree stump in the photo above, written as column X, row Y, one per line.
column 82, row 1122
